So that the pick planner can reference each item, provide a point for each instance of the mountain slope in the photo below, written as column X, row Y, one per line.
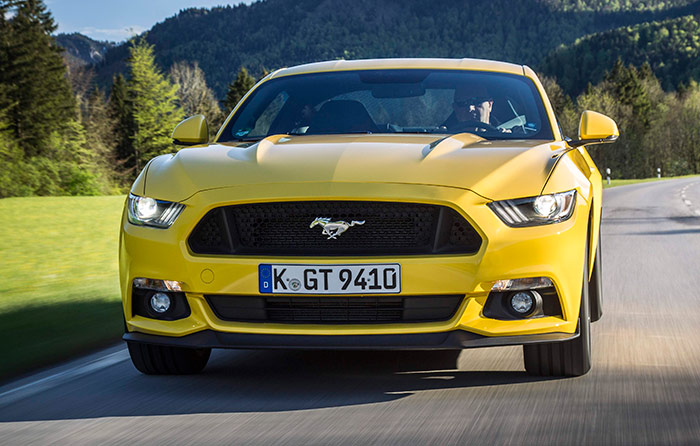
column 83, row 50
column 276, row 33
column 671, row 47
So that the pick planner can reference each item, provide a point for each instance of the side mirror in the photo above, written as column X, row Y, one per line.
column 191, row 131
column 595, row 128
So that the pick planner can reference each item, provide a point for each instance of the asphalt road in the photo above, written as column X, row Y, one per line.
column 644, row 387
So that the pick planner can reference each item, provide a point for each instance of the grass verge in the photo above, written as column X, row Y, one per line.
column 59, row 289
column 614, row 183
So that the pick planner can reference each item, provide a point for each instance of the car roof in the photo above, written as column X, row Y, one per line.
column 379, row 64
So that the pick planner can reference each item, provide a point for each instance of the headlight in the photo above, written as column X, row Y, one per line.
column 150, row 212
column 534, row 211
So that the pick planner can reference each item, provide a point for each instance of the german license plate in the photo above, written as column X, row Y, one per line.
column 330, row 279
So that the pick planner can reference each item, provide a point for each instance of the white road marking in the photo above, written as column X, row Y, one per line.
column 57, row 379
column 697, row 212
column 688, row 202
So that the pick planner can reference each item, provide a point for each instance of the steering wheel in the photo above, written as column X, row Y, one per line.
column 476, row 125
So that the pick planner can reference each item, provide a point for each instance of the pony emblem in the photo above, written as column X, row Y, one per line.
column 333, row 229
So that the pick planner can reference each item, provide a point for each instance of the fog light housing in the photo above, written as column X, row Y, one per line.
column 158, row 299
column 160, row 303
column 502, row 305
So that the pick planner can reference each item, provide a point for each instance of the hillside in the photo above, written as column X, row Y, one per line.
column 274, row 33
column 671, row 47
column 615, row 5
column 83, row 50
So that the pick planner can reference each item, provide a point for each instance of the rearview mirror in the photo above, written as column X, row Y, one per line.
column 392, row 91
column 595, row 128
column 191, row 131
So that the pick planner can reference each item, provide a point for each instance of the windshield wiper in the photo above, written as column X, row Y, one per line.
column 247, row 139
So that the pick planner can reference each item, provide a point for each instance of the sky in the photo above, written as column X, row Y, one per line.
column 117, row 20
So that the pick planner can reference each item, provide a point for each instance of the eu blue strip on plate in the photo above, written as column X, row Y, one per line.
column 265, row 277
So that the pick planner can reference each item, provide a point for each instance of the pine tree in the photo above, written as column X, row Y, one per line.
column 40, row 98
column 121, row 114
column 628, row 88
column 237, row 89
column 154, row 105
column 6, row 89
column 45, row 150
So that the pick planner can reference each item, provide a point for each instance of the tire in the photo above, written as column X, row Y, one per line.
column 595, row 285
column 567, row 358
column 165, row 360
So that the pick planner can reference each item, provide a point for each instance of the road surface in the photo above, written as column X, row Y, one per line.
column 644, row 387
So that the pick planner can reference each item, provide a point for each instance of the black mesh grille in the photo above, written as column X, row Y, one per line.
column 377, row 228
column 334, row 309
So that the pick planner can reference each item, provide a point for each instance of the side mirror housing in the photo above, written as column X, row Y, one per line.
column 191, row 131
column 595, row 128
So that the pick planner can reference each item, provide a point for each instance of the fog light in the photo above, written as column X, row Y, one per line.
column 522, row 302
column 160, row 302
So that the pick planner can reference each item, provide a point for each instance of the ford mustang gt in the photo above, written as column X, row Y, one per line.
column 401, row 204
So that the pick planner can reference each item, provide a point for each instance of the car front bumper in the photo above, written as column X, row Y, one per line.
column 457, row 339
column 555, row 251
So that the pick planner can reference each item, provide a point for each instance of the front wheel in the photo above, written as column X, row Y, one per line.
column 568, row 358
column 165, row 360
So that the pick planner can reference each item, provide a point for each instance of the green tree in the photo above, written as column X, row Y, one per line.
column 616, row 157
column 99, row 137
column 45, row 150
column 629, row 89
column 122, row 117
column 39, row 99
column 153, row 103
column 682, row 131
column 237, row 89
column 12, row 182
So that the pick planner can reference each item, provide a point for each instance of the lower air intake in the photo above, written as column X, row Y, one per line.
column 334, row 309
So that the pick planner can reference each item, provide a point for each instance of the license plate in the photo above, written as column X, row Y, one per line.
column 371, row 278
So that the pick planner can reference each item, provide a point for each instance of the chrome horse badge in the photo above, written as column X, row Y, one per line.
column 333, row 229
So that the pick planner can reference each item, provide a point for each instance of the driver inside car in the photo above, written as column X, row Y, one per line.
column 472, row 107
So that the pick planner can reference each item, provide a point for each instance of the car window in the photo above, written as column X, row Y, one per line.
column 494, row 105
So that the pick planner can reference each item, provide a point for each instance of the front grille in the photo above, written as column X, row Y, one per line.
column 334, row 309
column 389, row 228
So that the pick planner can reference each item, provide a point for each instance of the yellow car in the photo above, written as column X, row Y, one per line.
column 414, row 204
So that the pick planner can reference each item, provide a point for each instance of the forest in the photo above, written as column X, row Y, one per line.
column 70, row 126
column 259, row 37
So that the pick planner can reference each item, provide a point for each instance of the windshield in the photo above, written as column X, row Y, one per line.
column 491, row 105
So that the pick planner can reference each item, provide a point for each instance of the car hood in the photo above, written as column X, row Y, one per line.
column 493, row 169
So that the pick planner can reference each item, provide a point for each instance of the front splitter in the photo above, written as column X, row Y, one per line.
column 457, row 339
